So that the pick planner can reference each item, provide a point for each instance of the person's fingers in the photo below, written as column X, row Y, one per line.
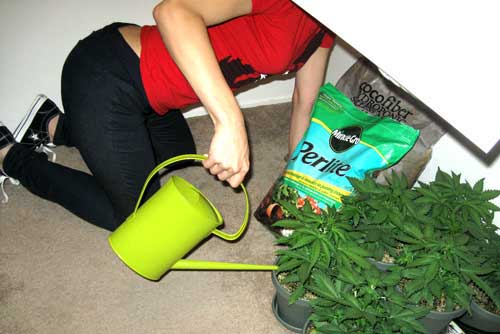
column 217, row 169
column 224, row 175
column 209, row 162
column 235, row 180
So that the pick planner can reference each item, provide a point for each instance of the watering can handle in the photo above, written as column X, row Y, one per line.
column 178, row 158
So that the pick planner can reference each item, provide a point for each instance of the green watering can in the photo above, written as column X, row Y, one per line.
column 155, row 237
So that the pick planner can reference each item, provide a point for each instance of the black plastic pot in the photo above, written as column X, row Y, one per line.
column 306, row 327
column 481, row 319
column 293, row 316
column 382, row 266
column 435, row 322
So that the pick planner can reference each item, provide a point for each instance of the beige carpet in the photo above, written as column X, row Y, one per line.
column 58, row 274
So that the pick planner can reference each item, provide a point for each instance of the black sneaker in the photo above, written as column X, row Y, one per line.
column 33, row 130
column 6, row 138
column 4, row 177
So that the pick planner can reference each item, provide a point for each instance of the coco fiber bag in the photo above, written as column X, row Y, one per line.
column 370, row 91
column 341, row 142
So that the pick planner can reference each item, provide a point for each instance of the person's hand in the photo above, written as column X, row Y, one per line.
column 228, row 157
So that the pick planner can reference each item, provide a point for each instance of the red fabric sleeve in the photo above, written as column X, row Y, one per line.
column 328, row 40
column 270, row 6
column 258, row 6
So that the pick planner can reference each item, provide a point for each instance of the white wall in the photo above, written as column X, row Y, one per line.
column 36, row 36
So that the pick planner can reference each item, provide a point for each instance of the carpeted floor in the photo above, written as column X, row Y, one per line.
column 58, row 274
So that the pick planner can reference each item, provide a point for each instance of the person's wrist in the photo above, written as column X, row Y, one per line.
column 224, row 110
column 234, row 120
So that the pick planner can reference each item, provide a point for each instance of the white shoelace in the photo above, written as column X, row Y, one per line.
column 3, row 178
column 48, row 151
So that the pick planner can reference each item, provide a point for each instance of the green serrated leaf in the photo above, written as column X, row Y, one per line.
column 479, row 270
column 350, row 277
column 359, row 260
column 428, row 193
column 463, row 255
column 289, row 223
column 290, row 278
column 352, row 301
column 416, row 326
column 304, row 272
column 376, row 204
column 473, row 212
column 413, row 273
column 391, row 279
column 285, row 204
column 414, row 286
column 436, row 288
column 323, row 286
column 425, row 260
column 491, row 206
column 406, row 239
column 315, row 253
column 463, row 300
column 449, row 266
column 353, row 248
column 426, row 200
column 478, row 187
column 413, row 230
column 331, row 329
column 351, row 313
column 296, row 294
column 282, row 241
column 326, row 252
column 380, row 216
column 488, row 195
column 304, row 241
column 461, row 239
column 431, row 272
column 289, row 265
column 475, row 230
column 489, row 290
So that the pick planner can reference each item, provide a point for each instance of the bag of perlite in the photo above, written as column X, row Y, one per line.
column 340, row 142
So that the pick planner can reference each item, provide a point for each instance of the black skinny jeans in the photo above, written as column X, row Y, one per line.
column 109, row 120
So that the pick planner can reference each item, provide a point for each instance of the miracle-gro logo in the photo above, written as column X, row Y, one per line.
column 343, row 139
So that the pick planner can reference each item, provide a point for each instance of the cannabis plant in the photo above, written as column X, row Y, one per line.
column 362, row 301
column 444, row 253
column 318, row 243
column 488, row 296
column 459, row 207
column 378, row 212
column 435, row 274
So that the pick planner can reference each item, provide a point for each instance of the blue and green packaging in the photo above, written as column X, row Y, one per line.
column 340, row 142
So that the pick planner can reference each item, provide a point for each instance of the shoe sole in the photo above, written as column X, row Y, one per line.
column 26, row 121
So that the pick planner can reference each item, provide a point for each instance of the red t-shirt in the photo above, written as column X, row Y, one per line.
column 276, row 38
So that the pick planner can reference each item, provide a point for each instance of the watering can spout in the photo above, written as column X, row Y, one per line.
column 209, row 265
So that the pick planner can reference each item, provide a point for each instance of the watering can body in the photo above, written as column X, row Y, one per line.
column 155, row 237
column 152, row 239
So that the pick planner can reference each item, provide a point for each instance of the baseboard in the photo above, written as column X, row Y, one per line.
column 201, row 111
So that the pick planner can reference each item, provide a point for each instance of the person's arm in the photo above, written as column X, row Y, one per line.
column 183, row 27
column 308, row 81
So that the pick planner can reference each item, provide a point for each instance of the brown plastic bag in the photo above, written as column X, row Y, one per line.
column 373, row 93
